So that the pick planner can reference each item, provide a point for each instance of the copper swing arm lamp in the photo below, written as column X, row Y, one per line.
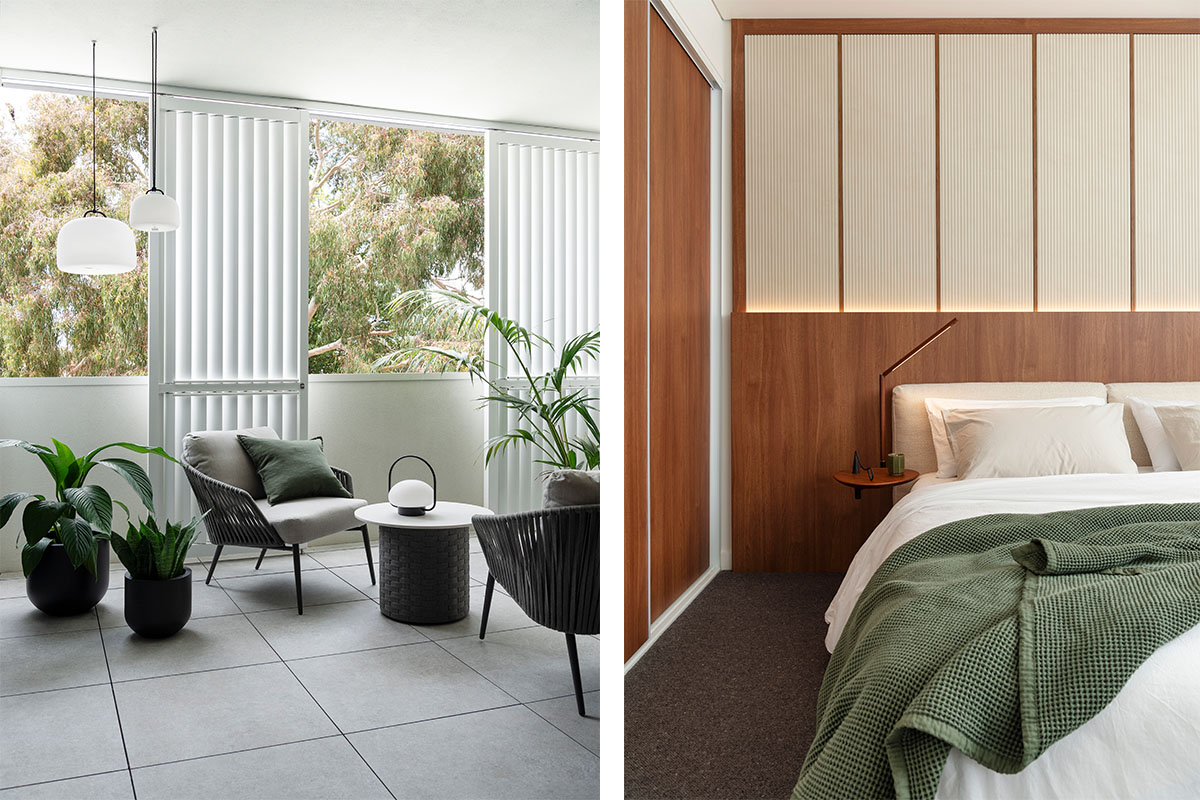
column 883, row 377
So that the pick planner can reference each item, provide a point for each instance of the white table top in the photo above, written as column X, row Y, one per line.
column 444, row 515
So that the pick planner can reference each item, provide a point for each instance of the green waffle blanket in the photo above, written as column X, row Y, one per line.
column 998, row 635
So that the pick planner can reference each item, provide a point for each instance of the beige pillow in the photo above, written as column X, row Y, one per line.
column 936, row 407
column 1182, row 425
column 1028, row 442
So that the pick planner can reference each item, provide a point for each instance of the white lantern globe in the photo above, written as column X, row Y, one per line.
column 154, row 212
column 412, row 498
column 96, row 246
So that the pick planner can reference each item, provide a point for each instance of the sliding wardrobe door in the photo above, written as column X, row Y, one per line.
column 668, row 107
column 678, row 318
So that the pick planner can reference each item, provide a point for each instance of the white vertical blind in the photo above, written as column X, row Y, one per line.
column 227, row 336
column 543, row 270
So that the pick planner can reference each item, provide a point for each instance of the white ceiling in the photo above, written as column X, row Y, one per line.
column 803, row 9
column 534, row 62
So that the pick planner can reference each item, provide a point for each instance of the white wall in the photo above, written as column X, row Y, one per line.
column 367, row 422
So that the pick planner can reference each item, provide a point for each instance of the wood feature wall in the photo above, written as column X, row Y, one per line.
column 805, row 396
column 941, row 123
column 667, row 318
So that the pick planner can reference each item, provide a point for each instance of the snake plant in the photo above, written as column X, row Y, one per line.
column 151, row 554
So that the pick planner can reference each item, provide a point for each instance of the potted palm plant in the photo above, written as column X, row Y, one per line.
column 158, row 587
column 65, row 557
column 544, row 402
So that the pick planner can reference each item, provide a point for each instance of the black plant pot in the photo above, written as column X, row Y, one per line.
column 157, row 609
column 59, row 589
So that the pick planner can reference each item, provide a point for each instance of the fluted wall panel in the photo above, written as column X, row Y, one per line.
column 791, row 173
column 986, row 129
column 1083, row 172
column 1166, row 144
column 888, row 168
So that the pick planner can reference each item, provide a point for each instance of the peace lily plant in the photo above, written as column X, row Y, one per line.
column 79, row 514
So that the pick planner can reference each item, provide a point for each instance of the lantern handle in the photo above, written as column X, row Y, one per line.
column 431, row 472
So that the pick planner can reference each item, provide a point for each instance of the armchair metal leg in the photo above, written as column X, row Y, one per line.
column 487, row 603
column 573, row 653
column 258, row 563
column 213, row 565
column 296, row 566
column 370, row 561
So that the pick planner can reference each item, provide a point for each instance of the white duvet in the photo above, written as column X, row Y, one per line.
column 1146, row 742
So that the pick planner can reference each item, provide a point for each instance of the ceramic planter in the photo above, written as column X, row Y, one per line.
column 62, row 590
column 158, row 609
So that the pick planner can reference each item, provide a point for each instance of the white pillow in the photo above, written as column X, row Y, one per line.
column 1151, row 427
column 1182, row 426
column 1028, row 442
column 936, row 406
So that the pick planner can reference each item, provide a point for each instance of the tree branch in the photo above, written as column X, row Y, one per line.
column 325, row 348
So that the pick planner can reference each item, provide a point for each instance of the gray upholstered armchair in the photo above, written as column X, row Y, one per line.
column 228, row 489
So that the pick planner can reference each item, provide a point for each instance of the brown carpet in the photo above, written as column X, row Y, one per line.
column 723, row 705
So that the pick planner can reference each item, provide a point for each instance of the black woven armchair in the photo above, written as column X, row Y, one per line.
column 235, row 518
column 549, row 563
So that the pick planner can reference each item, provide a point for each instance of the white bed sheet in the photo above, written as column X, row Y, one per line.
column 1144, row 743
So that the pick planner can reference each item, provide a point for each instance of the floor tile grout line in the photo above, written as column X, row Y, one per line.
column 328, row 716
column 237, row 752
column 63, row 780
column 477, row 672
column 550, row 722
column 434, row 719
column 116, row 705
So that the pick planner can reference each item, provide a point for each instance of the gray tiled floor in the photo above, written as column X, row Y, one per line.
column 252, row 700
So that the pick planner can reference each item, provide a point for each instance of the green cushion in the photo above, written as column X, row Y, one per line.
column 290, row 469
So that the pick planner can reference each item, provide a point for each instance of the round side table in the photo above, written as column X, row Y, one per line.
column 424, row 562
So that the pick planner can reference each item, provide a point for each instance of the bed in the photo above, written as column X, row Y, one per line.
column 1142, row 743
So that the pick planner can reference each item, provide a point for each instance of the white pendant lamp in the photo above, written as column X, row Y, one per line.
column 155, row 211
column 95, row 245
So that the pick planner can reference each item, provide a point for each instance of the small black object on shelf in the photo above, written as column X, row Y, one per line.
column 858, row 467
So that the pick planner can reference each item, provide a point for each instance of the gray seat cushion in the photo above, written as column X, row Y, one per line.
column 572, row 487
column 300, row 521
column 219, row 455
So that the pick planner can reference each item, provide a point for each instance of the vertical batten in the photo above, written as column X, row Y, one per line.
column 197, row 361
column 1166, row 147
column 1083, row 172
column 986, row 88
column 888, row 170
column 791, row 173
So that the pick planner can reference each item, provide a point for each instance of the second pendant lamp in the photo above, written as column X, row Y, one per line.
column 155, row 211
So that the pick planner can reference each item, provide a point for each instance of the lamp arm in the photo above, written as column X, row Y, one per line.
column 882, row 385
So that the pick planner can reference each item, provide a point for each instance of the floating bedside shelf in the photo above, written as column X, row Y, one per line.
column 882, row 480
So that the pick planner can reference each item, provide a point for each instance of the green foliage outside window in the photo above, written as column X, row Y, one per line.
column 391, row 210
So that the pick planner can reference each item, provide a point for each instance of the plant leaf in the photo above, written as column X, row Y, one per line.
column 40, row 516
column 31, row 555
column 134, row 475
column 9, row 503
column 77, row 539
column 92, row 503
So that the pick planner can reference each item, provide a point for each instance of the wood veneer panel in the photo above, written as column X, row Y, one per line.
column 972, row 25
column 637, row 589
column 737, row 157
column 678, row 296
column 805, row 389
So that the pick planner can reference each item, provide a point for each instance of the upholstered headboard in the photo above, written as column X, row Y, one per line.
column 911, row 433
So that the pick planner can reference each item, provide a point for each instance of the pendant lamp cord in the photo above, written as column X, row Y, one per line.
column 154, row 112
column 94, row 209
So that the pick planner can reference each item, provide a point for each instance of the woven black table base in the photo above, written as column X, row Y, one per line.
column 424, row 574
